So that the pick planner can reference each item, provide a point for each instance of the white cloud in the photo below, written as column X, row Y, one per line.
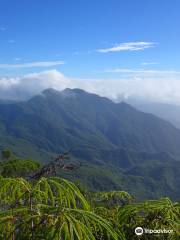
column 130, row 46
column 148, row 63
column 141, row 71
column 154, row 85
column 31, row 65
column 24, row 87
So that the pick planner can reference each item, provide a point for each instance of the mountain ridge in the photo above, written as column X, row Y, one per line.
column 108, row 138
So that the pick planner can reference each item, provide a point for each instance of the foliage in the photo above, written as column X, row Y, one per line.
column 51, row 208
column 18, row 167
column 6, row 153
column 54, row 208
column 112, row 199
column 152, row 214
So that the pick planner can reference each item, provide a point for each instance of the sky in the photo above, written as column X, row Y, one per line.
column 116, row 48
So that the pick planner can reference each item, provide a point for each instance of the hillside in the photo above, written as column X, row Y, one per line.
column 114, row 142
column 165, row 111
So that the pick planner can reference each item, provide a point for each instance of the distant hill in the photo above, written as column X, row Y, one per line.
column 165, row 111
column 118, row 146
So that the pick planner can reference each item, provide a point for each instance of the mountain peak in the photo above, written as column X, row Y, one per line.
column 80, row 93
column 67, row 92
column 50, row 91
column 75, row 90
column 96, row 129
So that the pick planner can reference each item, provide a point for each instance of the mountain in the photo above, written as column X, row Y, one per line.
column 168, row 112
column 115, row 143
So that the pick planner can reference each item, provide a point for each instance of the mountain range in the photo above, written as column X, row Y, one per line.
column 118, row 146
column 168, row 112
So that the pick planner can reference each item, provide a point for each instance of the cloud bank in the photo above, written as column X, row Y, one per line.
column 152, row 85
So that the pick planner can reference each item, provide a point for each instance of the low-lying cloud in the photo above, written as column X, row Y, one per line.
column 153, row 85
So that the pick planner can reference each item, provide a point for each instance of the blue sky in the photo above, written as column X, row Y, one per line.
column 73, row 43
column 73, row 31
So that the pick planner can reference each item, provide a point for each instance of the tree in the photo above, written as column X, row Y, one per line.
column 18, row 167
column 152, row 214
column 6, row 154
column 112, row 199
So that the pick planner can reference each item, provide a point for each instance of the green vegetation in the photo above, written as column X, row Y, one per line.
column 6, row 153
column 12, row 166
column 18, row 167
column 118, row 146
column 54, row 208
column 152, row 214
column 51, row 208
column 124, row 157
